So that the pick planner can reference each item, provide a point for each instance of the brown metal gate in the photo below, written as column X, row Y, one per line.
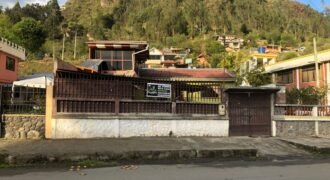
column 249, row 114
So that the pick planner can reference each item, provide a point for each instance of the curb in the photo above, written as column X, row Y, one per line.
column 313, row 149
column 129, row 155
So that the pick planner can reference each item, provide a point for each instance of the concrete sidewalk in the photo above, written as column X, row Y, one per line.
column 146, row 148
column 312, row 144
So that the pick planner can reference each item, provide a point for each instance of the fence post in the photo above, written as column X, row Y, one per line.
column 50, row 109
column 315, row 111
column 117, row 106
column 173, row 97
column 0, row 111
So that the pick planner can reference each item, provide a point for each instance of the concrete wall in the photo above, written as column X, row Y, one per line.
column 23, row 126
column 111, row 126
column 7, row 76
column 300, row 126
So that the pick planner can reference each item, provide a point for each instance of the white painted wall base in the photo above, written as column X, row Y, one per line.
column 106, row 128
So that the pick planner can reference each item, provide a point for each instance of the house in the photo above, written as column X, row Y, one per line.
column 300, row 72
column 10, row 55
column 162, row 58
column 231, row 41
column 117, row 57
column 257, row 60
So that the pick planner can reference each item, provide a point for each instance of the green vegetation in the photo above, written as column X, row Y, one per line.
column 182, row 23
column 256, row 77
column 308, row 96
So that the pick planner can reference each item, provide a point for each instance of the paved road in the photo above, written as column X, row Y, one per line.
column 203, row 171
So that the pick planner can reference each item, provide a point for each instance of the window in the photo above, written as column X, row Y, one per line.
column 308, row 74
column 115, row 60
column 10, row 64
column 260, row 62
column 170, row 57
column 105, row 54
column 284, row 77
column 155, row 57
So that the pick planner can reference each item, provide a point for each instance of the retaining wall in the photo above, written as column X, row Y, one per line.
column 64, row 127
column 23, row 126
column 300, row 126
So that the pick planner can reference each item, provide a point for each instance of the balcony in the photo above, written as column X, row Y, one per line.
column 12, row 48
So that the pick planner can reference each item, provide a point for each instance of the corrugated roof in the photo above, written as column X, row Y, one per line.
column 186, row 73
column 92, row 64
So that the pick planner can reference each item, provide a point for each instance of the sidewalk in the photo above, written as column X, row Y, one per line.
column 146, row 148
column 315, row 145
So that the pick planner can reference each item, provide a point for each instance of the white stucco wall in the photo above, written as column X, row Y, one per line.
column 98, row 128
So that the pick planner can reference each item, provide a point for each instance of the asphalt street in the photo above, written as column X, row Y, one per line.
column 283, row 170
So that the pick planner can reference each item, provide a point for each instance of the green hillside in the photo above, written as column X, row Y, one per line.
column 165, row 23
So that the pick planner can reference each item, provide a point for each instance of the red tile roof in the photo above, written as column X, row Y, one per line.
column 187, row 73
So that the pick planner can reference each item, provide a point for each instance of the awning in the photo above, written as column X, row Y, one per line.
column 36, row 81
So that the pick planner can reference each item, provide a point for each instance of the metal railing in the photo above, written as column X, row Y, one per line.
column 301, row 110
column 80, row 92
column 22, row 100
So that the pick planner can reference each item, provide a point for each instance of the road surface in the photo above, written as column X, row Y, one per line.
column 307, row 170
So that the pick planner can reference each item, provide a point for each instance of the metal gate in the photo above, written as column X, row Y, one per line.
column 249, row 114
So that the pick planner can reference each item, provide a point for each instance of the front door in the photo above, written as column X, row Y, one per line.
column 249, row 114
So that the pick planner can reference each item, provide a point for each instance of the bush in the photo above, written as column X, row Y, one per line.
column 306, row 96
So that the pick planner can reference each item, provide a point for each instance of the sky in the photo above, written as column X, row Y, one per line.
column 316, row 4
column 10, row 3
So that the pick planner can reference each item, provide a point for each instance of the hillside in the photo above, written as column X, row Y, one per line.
column 167, row 20
column 183, row 23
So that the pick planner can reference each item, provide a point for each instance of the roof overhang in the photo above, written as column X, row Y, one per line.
column 117, row 44
column 252, row 90
column 298, row 62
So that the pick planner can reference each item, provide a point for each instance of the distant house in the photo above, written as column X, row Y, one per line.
column 162, row 58
column 10, row 55
column 231, row 41
column 117, row 57
column 258, row 60
column 300, row 72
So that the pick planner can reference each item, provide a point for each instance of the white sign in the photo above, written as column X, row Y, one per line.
column 158, row 90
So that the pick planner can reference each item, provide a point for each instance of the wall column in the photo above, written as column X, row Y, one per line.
column 297, row 78
column 49, row 112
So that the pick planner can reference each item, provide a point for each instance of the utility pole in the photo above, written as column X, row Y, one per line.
column 63, row 46
column 75, row 45
column 316, row 64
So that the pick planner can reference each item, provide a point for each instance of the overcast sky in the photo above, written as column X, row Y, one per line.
column 10, row 3
column 316, row 4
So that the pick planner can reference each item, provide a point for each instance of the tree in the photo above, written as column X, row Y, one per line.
column 35, row 11
column 53, row 20
column 257, row 77
column 5, row 26
column 29, row 33
column 244, row 29
column 15, row 13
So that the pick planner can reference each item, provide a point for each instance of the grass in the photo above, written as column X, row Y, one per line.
column 30, row 67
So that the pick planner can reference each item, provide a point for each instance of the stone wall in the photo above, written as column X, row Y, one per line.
column 295, row 128
column 324, row 128
column 23, row 126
